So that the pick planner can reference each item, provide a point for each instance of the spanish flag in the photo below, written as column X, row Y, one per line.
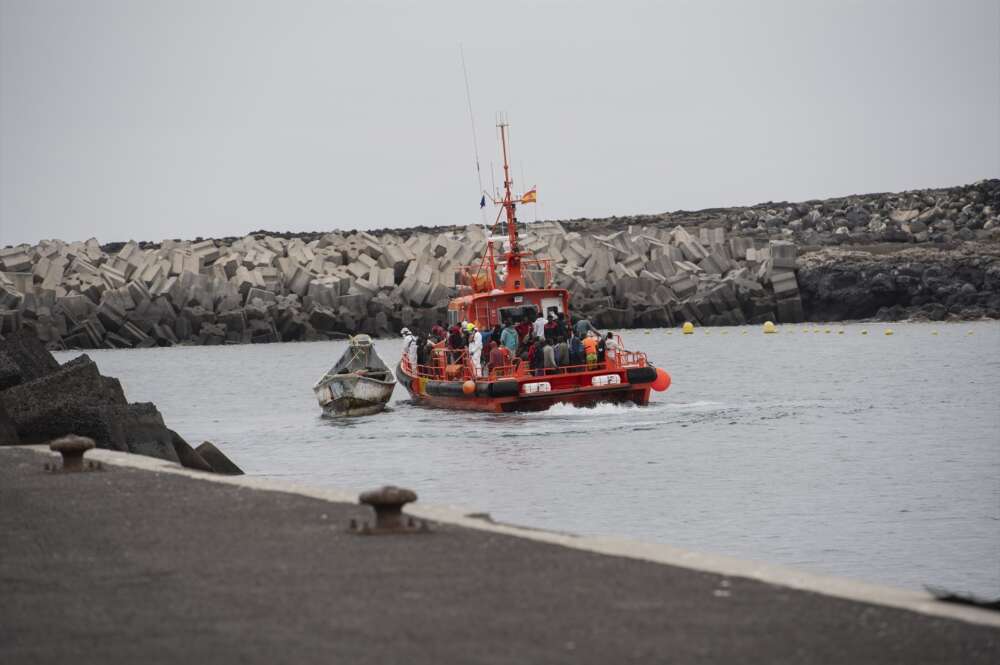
column 530, row 196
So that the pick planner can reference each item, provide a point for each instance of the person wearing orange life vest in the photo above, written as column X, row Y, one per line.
column 590, row 349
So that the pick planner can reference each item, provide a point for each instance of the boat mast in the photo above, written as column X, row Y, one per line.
column 513, row 256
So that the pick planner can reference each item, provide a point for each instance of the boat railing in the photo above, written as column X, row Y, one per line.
column 456, row 365
column 537, row 273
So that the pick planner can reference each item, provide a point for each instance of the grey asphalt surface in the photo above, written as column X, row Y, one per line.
column 130, row 566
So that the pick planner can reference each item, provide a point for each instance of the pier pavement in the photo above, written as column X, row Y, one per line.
column 143, row 563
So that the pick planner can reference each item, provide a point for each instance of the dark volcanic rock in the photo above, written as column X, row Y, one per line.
column 8, row 429
column 74, row 399
column 838, row 285
column 10, row 373
column 28, row 354
column 217, row 460
column 188, row 456
column 145, row 433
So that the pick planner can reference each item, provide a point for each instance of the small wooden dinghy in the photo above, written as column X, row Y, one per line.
column 359, row 384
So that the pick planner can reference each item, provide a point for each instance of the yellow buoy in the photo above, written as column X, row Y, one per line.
column 724, row 332
column 970, row 332
column 840, row 332
column 687, row 328
column 815, row 331
column 864, row 332
column 744, row 332
column 826, row 332
column 888, row 331
column 769, row 327
column 670, row 332
column 934, row 332
column 646, row 333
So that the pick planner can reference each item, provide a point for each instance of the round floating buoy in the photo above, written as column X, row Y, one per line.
column 864, row 332
column 888, row 331
column 645, row 332
column 769, row 328
column 934, row 332
column 826, row 332
column 662, row 381
column 840, row 332
column 687, row 328
column 724, row 332
column 469, row 387
column 744, row 332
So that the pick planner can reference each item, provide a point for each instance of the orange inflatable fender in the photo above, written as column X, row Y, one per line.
column 469, row 387
column 662, row 381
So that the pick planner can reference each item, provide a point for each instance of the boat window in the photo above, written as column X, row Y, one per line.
column 452, row 317
column 522, row 312
column 552, row 305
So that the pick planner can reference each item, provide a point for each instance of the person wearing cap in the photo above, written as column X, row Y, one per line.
column 410, row 347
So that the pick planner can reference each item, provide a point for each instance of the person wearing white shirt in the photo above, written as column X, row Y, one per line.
column 610, row 348
column 539, row 327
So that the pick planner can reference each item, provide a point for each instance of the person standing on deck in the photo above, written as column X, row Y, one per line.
column 549, row 357
column 410, row 348
column 583, row 326
column 539, row 326
column 476, row 351
column 590, row 350
column 509, row 337
column 611, row 348
column 496, row 357
column 562, row 353
column 576, row 357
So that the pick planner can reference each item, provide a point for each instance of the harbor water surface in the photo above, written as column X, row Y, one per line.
column 867, row 456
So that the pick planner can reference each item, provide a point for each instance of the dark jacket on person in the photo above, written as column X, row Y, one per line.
column 562, row 354
column 576, row 356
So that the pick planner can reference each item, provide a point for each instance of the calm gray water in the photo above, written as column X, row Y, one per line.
column 866, row 456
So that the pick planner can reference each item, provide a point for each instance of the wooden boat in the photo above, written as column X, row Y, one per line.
column 359, row 384
column 517, row 287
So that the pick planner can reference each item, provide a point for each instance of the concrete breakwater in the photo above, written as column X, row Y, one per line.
column 924, row 254
column 41, row 400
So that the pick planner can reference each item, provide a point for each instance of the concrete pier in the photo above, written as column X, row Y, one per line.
column 147, row 562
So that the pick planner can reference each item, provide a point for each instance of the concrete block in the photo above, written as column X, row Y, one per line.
column 783, row 254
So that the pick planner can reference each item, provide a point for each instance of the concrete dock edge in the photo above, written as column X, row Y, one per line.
column 904, row 599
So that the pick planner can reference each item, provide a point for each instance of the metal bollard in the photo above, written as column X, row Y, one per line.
column 388, row 502
column 72, row 448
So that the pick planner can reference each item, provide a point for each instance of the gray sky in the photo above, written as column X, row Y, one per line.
column 149, row 120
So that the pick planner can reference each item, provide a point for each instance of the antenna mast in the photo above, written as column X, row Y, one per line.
column 513, row 256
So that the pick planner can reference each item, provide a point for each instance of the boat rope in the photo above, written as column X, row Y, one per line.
column 472, row 121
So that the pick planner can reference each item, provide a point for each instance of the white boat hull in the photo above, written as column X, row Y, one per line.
column 353, row 395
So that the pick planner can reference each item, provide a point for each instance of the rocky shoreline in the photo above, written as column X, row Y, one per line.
column 41, row 401
column 928, row 254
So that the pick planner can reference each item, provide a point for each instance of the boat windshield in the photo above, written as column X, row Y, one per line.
column 519, row 313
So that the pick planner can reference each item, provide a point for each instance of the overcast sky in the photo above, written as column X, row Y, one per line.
column 150, row 120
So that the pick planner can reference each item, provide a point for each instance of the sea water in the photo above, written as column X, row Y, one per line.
column 870, row 456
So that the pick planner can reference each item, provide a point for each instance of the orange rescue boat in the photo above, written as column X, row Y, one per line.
column 518, row 287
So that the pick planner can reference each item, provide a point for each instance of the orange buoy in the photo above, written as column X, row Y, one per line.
column 469, row 387
column 662, row 381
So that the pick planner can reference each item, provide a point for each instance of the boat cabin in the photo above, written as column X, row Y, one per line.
column 489, row 309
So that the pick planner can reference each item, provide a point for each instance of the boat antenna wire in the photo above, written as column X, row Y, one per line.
column 472, row 121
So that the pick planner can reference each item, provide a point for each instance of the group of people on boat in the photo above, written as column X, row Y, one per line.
column 546, row 345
